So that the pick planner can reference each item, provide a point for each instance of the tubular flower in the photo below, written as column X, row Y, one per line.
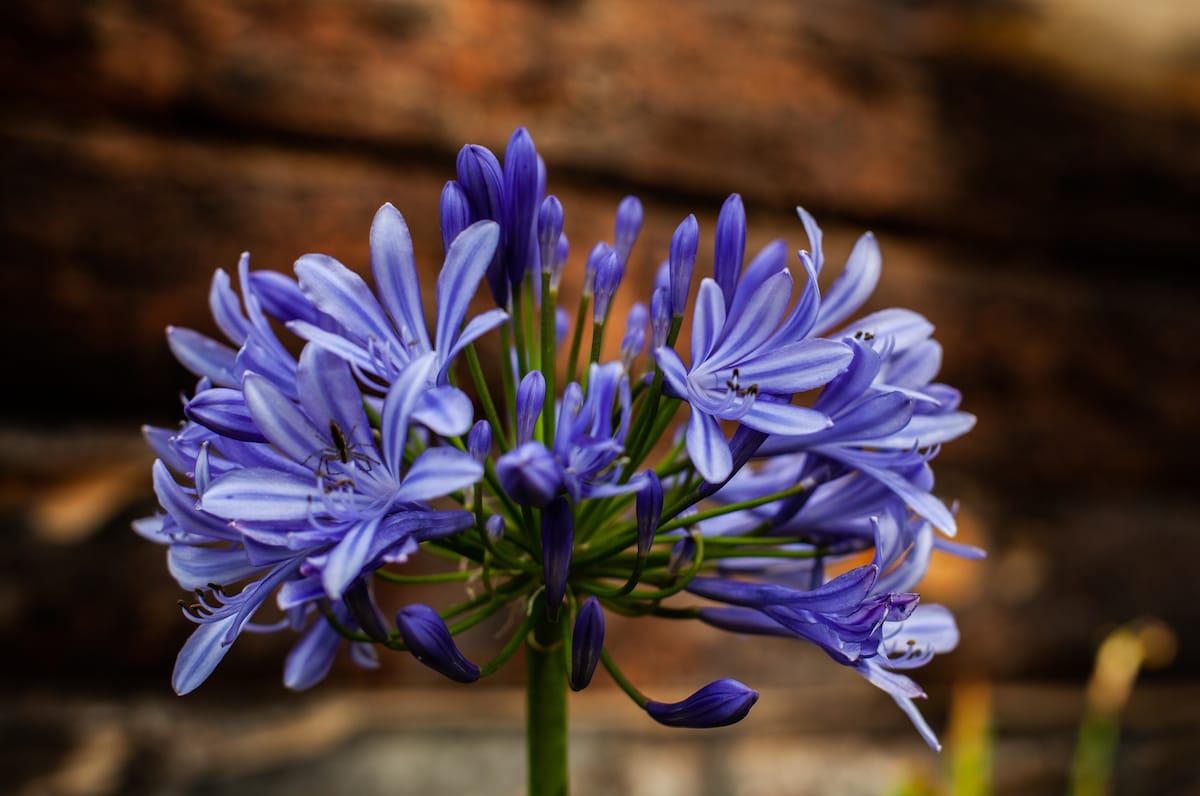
column 298, row 481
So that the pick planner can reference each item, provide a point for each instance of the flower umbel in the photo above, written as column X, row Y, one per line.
column 297, row 484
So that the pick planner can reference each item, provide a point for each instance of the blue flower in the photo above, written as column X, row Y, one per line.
column 748, row 359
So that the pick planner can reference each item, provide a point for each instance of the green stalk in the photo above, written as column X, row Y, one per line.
column 546, row 706
column 549, row 302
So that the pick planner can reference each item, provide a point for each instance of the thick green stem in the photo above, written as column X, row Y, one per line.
column 546, row 706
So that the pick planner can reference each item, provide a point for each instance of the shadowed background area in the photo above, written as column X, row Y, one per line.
column 1030, row 169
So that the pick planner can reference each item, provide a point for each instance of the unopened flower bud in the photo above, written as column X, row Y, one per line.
column 608, row 277
column 629, row 224
column 550, row 223
column 495, row 528
column 456, row 213
column 649, row 512
column 479, row 441
column 428, row 639
column 635, row 334
column 660, row 318
column 530, row 397
column 684, row 244
column 730, row 247
column 558, row 542
column 587, row 641
column 717, row 704
column 530, row 474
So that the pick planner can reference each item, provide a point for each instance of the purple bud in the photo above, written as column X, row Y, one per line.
column 521, row 201
column 629, row 224
column 684, row 244
column 608, row 277
column 562, row 325
column 558, row 541
column 530, row 474
column 660, row 318
column 717, row 704
column 561, row 251
column 550, row 223
column 456, row 213
column 595, row 257
column 682, row 555
column 430, row 642
column 481, row 180
column 587, row 640
column 634, row 340
column 649, row 512
column 531, row 394
column 479, row 441
column 495, row 528
column 730, row 247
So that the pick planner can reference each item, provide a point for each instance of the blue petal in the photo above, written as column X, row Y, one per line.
column 339, row 292
column 708, row 319
column 814, row 238
column 796, row 367
column 437, row 472
column 195, row 567
column 398, row 408
column 349, row 557
column 475, row 328
column 707, row 447
column 227, row 309
column 312, row 656
column 329, row 394
column 854, row 285
column 224, row 411
column 258, row 494
column 200, row 654
column 751, row 323
column 770, row 417
column 904, row 327
column 924, row 431
column 203, row 356
column 730, row 248
column 282, row 422
column 839, row 595
column 466, row 263
column 395, row 271
column 446, row 411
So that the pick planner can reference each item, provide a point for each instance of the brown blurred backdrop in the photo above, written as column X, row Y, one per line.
column 1032, row 172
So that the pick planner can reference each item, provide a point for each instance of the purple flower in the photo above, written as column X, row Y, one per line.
column 429, row 640
column 746, row 365
column 717, row 704
column 587, row 641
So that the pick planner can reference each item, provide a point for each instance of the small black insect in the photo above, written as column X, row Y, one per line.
column 342, row 451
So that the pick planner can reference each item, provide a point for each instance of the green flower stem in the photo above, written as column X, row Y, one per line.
column 438, row 577
column 549, row 302
column 485, row 397
column 506, row 374
column 546, row 705
column 620, row 679
column 518, row 325
column 626, row 535
column 577, row 337
column 509, row 649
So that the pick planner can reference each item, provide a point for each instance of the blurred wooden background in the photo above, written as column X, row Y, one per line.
column 1030, row 168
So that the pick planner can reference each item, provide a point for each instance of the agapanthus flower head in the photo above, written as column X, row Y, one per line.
column 804, row 448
